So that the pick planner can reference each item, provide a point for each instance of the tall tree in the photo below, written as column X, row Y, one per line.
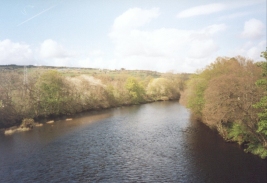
column 262, row 104
column 51, row 94
column 135, row 89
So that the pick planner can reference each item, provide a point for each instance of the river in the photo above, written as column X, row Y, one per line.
column 154, row 142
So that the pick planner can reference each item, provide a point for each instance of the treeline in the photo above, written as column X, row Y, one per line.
column 48, row 93
column 230, row 96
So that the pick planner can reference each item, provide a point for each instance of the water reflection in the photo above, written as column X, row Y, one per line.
column 149, row 143
column 214, row 160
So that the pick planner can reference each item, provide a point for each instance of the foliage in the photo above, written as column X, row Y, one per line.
column 9, row 83
column 51, row 94
column 237, row 132
column 196, row 95
column 135, row 89
column 111, row 93
column 257, row 149
column 162, row 88
column 64, row 91
column 224, row 96
column 262, row 104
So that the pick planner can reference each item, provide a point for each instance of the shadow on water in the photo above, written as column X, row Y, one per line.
column 154, row 142
column 214, row 160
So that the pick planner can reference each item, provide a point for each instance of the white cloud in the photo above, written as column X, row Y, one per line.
column 202, row 49
column 15, row 53
column 251, row 50
column 145, row 63
column 208, row 31
column 162, row 64
column 54, row 54
column 97, row 62
column 201, row 10
column 133, row 18
column 94, row 59
column 161, row 49
column 51, row 49
column 192, row 64
column 96, row 53
column 218, row 7
column 244, row 3
column 234, row 15
column 215, row 28
column 255, row 51
column 157, row 43
column 253, row 29
column 61, row 62
column 85, row 63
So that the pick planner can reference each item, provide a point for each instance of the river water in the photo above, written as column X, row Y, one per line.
column 154, row 142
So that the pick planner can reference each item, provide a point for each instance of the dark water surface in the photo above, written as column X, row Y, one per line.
column 154, row 142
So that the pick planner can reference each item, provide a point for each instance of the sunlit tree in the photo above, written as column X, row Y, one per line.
column 262, row 104
column 135, row 89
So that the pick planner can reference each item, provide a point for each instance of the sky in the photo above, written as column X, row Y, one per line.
column 160, row 35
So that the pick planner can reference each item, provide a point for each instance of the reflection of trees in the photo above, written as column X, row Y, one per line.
column 223, row 96
column 211, row 159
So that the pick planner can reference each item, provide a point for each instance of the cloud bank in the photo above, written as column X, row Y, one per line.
column 15, row 53
column 51, row 49
column 253, row 29
column 132, row 42
column 139, row 48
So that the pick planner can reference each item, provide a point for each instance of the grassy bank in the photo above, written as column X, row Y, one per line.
column 46, row 92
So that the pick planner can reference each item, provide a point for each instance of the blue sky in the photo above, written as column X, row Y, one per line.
column 169, row 35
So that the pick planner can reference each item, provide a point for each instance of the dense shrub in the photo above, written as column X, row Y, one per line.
column 225, row 97
column 48, row 93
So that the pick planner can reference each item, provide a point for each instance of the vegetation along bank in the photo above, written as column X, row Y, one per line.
column 45, row 92
column 230, row 95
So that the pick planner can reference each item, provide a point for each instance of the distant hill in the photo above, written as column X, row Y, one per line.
column 75, row 71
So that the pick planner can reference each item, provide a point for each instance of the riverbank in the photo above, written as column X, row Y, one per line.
column 29, row 123
column 229, row 95
column 51, row 93
column 155, row 142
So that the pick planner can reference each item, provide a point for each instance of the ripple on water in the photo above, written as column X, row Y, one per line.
column 149, row 143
